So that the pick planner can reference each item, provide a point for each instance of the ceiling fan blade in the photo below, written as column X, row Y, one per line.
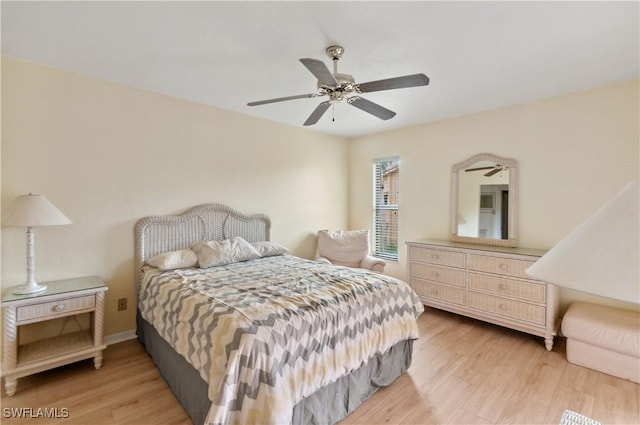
column 317, row 113
column 394, row 83
column 372, row 108
column 492, row 172
column 320, row 71
column 479, row 168
column 281, row 99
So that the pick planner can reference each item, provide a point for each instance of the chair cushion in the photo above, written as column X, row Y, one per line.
column 607, row 327
column 344, row 247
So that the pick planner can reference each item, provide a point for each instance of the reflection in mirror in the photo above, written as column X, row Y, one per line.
column 484, row 200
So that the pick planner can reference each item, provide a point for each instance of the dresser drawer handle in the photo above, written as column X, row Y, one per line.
column 58, row 308
column 502, row 307
column 503, row 266
column 435, row 274
column 434, row 256
column 502, row 287
column 435, row 292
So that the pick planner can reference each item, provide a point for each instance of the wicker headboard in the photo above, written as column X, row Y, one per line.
column 207, row 222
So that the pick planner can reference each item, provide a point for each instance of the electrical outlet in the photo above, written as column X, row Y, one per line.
column 122, row 304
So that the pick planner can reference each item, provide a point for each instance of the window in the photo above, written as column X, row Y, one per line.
column 385, row 210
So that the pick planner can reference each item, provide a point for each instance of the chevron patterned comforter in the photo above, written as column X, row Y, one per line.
column 266, row 333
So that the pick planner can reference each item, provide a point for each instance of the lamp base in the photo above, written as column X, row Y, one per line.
column 29, row 288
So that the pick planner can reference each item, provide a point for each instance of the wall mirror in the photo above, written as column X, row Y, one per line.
column 484, row 201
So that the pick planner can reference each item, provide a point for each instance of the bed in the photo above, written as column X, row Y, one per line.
column 272, row 338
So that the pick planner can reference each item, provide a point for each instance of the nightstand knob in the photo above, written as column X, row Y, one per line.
column 58, row 308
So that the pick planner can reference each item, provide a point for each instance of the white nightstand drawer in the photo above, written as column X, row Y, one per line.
column 55, row 308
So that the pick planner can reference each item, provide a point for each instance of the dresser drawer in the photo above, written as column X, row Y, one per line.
column 438, row 292
column 55, row 308
column 503, row 266
column 529, row 291
column 438, row 274
column 525, row 312
column 437, row 256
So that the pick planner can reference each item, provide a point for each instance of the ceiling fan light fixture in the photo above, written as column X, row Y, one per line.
column 336, row 97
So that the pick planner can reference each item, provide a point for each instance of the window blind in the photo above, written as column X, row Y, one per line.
column 386, row 190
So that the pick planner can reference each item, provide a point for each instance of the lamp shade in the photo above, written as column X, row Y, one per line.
column 601, row 256
column 31, row 211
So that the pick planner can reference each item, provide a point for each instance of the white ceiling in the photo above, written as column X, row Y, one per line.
column 478, row 55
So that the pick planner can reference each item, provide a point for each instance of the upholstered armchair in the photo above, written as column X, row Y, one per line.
column 347, row 248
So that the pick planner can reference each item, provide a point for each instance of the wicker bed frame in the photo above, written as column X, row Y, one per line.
column 207, row 222
column 157, row 234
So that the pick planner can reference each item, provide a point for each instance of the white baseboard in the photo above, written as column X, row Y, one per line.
column 120, row 337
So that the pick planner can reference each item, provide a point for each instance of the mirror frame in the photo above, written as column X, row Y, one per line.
column 512, row 227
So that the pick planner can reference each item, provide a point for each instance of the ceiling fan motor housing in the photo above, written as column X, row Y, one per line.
column 346, row 84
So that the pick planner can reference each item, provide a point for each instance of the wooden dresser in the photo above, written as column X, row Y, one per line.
column 484, row 282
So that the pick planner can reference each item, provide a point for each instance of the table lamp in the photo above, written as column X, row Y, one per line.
column 601, row 256
column 32, row 211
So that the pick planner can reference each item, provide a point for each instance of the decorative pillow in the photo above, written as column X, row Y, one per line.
column 220, row 253
column 269, row 249
column 174, row 259
column 345, row 247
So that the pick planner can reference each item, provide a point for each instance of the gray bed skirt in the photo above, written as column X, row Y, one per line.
column 328, row 405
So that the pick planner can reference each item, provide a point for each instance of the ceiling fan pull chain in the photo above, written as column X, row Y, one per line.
column 333, row 113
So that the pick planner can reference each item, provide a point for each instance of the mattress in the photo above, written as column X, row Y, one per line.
column 266, row 334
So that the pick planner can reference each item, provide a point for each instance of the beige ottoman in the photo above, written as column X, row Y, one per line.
column 603, row 338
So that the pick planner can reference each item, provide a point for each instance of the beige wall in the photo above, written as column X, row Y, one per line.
column 575, row 152
column 106, row 155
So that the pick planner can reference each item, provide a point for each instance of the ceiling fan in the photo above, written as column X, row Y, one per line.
column 342, row 87
column 494, row 169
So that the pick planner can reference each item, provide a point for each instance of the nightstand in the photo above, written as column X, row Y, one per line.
column 62, row 298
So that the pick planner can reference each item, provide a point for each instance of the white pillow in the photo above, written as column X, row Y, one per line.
column 174, row 259
column 347, row 247
column 228, row 251
column 269, row 249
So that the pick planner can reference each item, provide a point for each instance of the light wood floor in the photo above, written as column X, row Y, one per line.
column 463, row 372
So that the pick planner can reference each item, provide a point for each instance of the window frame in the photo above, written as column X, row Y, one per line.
column 390, row 249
